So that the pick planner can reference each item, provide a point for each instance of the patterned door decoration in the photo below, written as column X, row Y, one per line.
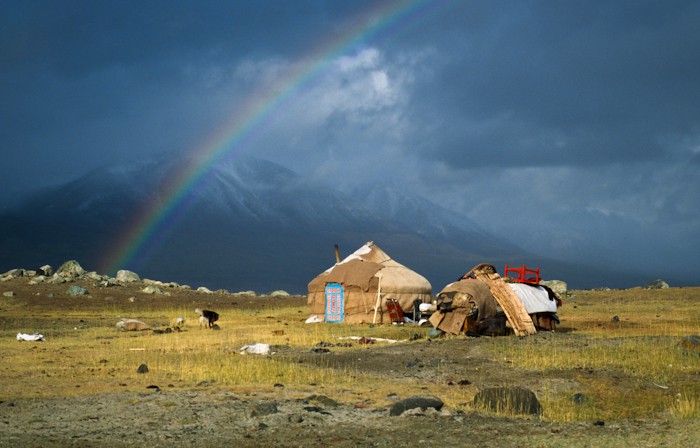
column 335, row 302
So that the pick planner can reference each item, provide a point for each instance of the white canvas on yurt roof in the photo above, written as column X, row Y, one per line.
column 364, row 275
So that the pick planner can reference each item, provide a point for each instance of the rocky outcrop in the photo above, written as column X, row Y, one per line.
column 559, row 287
column 72, row 271
column 657, row 284
column 127, row 276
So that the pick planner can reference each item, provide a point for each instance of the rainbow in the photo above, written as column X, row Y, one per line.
column 146, row 229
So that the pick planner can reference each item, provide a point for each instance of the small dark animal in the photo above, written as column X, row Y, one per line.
column 207, row 317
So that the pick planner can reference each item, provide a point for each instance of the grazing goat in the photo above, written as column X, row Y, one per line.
column 207, row 317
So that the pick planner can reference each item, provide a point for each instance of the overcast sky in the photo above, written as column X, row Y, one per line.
column 571, row 127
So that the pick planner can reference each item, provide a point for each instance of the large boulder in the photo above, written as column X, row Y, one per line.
column 45, row 270
column 71, row 269
column 127, row 276
column 13, row 273
column 416, row 402
column 558, row 286
column 656, row 284
column 152, row 290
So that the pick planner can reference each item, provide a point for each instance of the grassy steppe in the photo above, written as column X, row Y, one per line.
column 632, row 368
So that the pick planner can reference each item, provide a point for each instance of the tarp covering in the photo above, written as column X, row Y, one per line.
column 470, row 305
column 535, row 298
column 479, row 296
column 364, row 272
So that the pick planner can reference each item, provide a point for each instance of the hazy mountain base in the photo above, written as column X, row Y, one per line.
column 254, row 222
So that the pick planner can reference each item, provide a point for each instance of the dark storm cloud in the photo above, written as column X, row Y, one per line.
column 573, row 125
column 567, row 83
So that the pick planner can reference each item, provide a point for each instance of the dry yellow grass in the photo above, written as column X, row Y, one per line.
column 640, row 371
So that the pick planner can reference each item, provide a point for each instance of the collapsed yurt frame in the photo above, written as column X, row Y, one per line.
column 483, row 302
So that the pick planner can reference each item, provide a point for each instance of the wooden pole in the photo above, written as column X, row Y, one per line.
column 379, row 299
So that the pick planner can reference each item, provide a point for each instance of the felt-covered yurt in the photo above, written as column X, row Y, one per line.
column 353, row 288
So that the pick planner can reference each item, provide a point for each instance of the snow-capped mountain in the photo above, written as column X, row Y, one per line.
column 244, row 224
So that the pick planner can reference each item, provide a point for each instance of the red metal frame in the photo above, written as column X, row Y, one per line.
column 523, row 273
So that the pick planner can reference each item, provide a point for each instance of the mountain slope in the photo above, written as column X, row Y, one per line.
column 248, row 224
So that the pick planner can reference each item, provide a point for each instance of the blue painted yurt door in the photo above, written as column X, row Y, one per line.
column 335, row 302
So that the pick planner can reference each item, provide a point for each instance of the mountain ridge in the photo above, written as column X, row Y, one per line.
column 251, row 224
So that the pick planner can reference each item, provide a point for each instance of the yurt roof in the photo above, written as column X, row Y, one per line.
column 367, row 262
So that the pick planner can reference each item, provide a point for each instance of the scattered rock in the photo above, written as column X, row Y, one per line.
column 322, row 400
column 36, row 280
column 12, row 273
column 279, row 293
column 295, row 418
column 92, row 275
column 434, row 333
column 127, row 276
column 422, row 402
column 415, row 363
column 45, row 270
column 579, row 398
column 76, row 290
column 264, row 408
column 57, row 280
column 152, row 290
column 106, row 283
column 8, row 293
column 143, row 368
column 245, row 293
column 316, row 409
column 205, row 290
column 559, row 287
column 518, row 400
column 656, row 284
column 320, row 350
column 70, row 269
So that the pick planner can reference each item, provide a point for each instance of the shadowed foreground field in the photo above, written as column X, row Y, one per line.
column 619, row 372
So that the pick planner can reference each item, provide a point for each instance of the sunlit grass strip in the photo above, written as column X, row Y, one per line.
column 248, row 370
column 685, row 406
column 654, row 359
column 641, row 312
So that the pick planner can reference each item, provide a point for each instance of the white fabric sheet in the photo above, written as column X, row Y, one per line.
column 535, row 299
column 30, row 337
column 256, row 349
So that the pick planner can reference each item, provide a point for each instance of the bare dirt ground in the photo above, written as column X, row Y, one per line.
column 211, row 415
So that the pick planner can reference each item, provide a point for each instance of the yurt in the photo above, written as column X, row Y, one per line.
column 482, row 302
column 356, row 289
